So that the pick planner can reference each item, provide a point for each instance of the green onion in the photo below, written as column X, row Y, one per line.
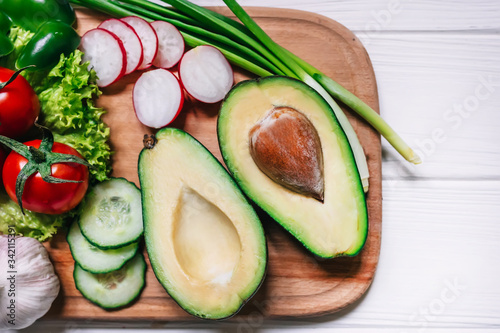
column 165, row 12
column 352, row 101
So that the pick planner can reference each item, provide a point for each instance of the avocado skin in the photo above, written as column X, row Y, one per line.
column 158, row 274
column 348, row 158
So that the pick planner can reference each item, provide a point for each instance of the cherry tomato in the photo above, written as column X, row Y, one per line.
column 41, row 196
column 19, row 105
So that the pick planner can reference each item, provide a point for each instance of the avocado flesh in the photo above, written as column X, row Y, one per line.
column 335, row 227
column 205, row 242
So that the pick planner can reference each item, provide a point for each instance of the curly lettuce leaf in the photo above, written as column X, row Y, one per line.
column 66, row 95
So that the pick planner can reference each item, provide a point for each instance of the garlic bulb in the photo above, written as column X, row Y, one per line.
column 28, row 284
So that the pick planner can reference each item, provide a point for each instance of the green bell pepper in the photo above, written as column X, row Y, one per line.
column 31, row 14
column 45, row 48
column 6, row 45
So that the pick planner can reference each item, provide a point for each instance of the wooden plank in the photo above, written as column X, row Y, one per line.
column 297, row 284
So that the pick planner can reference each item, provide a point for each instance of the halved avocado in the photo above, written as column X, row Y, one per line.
column 282, row 143
column 205, row 242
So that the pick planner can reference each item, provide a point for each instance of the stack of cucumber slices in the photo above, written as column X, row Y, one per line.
column 109, row 268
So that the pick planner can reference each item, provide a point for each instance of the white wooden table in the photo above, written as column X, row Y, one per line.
column 437, row 65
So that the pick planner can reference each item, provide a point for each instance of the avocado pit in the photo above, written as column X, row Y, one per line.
column 286, row 147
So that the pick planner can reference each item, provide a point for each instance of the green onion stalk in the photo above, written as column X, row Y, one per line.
column 246, row 45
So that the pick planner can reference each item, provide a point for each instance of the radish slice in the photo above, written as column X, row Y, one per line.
column 106, row 54
column 130, row 40
column 206, row 74
column 158, row 98
column 148, row 37
column 171, row 44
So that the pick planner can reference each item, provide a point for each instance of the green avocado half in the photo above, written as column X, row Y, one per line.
column 328, row 215
column 204, row 240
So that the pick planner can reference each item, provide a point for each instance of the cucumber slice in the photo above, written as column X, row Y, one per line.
column 95, row 260
column 112, row 214
column 114, row 289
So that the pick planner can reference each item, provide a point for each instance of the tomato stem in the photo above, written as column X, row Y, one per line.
column 38, row 156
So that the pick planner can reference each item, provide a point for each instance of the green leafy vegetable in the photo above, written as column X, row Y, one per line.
column 66, row 95
column 33, row 225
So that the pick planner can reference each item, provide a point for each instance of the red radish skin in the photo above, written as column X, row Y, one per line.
column 106, row 54
column 170, row 45
column 130, row 40
column 158, row 98
column 206, row 74
column 148, row 37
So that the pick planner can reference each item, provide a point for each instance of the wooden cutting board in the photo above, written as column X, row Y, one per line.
column 297, row 283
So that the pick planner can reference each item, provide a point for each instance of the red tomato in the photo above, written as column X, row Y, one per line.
column 19, row 105
column 40, row 196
